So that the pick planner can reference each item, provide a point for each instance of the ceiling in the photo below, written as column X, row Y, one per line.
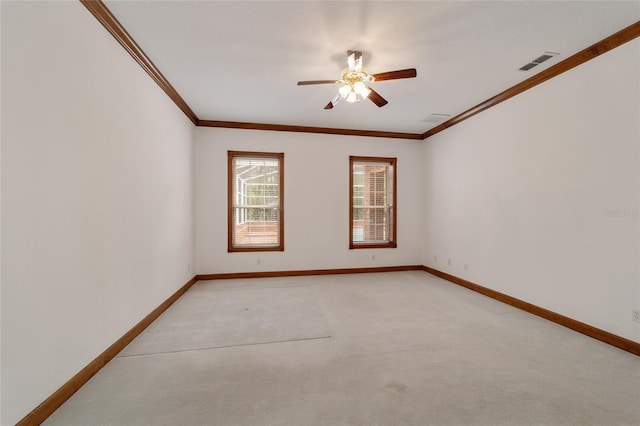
column 240, row 60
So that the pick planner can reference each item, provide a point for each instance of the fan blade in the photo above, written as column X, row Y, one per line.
column 376, row 98
column 394, row 75
column 334, row 102
column 356, row 63
column 305, row 83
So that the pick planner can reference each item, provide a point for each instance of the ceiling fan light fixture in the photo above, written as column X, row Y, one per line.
column 361, row 89
column 344, row 91
column 355, row 79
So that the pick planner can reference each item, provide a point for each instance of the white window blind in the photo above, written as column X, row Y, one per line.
column 372, row 202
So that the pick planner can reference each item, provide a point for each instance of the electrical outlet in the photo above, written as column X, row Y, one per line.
column 435, row 258
column 636, row 315
column 449, row 262
column 258, row 261
column 466, row 267
column 373, row 257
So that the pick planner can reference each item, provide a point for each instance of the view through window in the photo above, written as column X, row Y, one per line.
column 255, row 201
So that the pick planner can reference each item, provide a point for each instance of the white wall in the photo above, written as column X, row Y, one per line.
column 0, row 228
column 97, row 199
column 316, row 205
column 98, row 187
column 519, row 193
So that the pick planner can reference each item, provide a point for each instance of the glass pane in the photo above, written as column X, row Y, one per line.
column 256, row 226
column 256, row 201
column 372, row 202
column 375, row 225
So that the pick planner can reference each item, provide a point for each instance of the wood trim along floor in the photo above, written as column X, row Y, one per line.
column 627, row 34
column 51, row 404
column 48, row 406
column 596, row 333
column 306, row 272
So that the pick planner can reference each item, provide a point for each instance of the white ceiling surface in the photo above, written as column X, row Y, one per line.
column 240, row 60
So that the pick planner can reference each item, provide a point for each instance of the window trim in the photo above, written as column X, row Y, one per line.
column 230, row 178
column 394, row 209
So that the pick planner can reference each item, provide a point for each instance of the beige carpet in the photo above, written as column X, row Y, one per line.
column 208, row 317
column 406, row 348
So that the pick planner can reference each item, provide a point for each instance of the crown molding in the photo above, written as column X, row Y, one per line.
column 109, row 21
column 623, row 36
column 100, row 11
column 307, row 129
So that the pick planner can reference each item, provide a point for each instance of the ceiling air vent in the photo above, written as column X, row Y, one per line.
column 436, row 118
column 542, row 58
column 537, row 61
column 527, row 67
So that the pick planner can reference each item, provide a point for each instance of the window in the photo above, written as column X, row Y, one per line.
column 372, row 202
column 256, row 221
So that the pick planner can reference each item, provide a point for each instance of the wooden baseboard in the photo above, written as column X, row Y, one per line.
column 596, row 333
column 305, row 272
column 51, row 404
column 48, row 406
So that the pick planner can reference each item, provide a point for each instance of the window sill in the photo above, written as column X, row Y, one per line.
column 252, row 249
column 372, row 246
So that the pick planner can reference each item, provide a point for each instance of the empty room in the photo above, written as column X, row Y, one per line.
column 320, row 213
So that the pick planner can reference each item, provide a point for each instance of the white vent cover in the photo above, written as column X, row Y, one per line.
column 436, row 118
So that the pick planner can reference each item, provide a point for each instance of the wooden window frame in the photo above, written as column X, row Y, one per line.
column 394, row 209
column 231, row 248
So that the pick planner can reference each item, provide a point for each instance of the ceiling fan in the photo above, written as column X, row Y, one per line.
column 355, row 78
